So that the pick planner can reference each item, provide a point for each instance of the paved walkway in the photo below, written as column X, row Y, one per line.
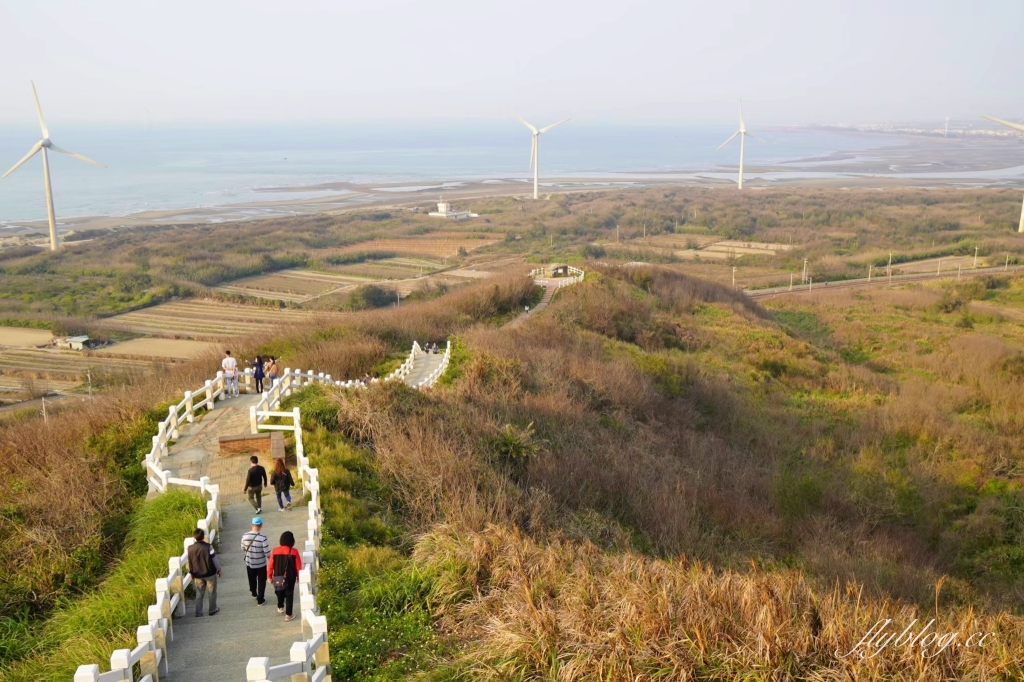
column 549, row 293
column 219, row 647
column 422, row 367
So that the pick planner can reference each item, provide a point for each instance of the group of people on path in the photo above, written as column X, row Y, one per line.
column 265, row 371
column 280, row 566
column 256, row 481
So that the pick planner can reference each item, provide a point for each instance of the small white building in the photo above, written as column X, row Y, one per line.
column 73, row 342
column 444, row 210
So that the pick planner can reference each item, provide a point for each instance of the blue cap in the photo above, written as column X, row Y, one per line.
column 257, row 520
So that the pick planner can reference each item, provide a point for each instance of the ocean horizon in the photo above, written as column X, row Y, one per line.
column 173, row 168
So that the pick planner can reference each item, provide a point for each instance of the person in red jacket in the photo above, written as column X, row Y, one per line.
column 283, row 572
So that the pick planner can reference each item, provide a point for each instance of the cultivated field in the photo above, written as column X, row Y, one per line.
column 420, row 246
column 193, row 318
column 174, row 349
column 291, row 285
column 18, row 336
column 68, row 365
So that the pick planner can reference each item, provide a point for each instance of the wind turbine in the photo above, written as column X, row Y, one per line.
column 742, row 132
column 1015, row 126
column 534, row 151
column 42, row 146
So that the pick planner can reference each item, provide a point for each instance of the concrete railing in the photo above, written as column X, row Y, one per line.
column 432, row 378
column 575, row 275
column 151, row 652
column 310, row 657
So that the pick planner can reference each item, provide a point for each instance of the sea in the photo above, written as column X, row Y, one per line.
column 153, row 167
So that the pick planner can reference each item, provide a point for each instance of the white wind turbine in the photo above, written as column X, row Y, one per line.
column 42, row 146
column 1015, row 126
column 742, row 132
column 534, row 151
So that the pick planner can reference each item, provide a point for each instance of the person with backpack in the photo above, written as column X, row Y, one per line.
column 205, row 569
column 283, row 572
column 282, row 481
column 256, row 547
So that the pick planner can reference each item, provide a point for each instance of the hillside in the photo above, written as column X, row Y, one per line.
column 654, row 476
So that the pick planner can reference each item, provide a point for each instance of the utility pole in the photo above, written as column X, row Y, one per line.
column 1007, row 265
column 791, row 281
column 88, row 378
column 889, row 268
column 803, row 277
column 398, row 298
column 44, row 409
column 958, row 270
column 810, row 283
column 734, row 277
column 975, row 256
column 869, row 272
column 616, row 233
column 938, row 268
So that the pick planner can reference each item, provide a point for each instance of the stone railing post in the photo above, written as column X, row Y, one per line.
column 87, row 673
column 257, row 669
column 190, row 413
column 297, row 654
column 287, row 376
column 221, row 385
column 172, row 422
column 253, row 422
column 175, row 583
column 148, row 664
column 209, row 394
column 323, row 653
column 121, row 659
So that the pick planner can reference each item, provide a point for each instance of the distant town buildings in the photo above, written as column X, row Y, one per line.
column 444, row 210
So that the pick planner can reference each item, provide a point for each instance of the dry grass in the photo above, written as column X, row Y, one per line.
column 569, row 611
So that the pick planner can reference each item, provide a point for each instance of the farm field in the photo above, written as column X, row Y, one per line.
column 18, row 336
column 175, row 349
column 67, row 365
column 195, row 318
column 290, row 285
column 419, row 246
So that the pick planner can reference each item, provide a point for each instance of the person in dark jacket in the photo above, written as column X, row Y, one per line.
column 282, row 481
column 283, row 573
column 255, row 481
column 257, row 373
column 205, row 569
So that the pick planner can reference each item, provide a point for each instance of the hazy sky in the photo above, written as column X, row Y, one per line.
column 595, row 60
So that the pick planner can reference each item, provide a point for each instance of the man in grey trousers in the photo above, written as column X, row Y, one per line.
column 205, row 569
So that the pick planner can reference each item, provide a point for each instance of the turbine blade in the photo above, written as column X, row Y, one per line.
column 32, row 152
column 544, row 130
column 754, row 136
column 39, row 110
column 77, row 156
column 1015, row 126
column 729, row 140
column 742, row 125
column 524, row 122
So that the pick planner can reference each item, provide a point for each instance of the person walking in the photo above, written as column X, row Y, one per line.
column 282, row 481
column 257, row 373
column 205, row 569
column 257, row 554
column 230, row 367
column 283, row 573
column 255, row 481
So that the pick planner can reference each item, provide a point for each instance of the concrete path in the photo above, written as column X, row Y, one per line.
column 218, row 647
column 422, row 367
column 549, row 293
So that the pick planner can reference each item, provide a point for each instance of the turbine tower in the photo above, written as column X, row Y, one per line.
column 42, row 146
column 1015, row 126
column 742, row 132
column 534, row 150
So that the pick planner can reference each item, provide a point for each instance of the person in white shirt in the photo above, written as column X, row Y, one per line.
column 230, row 367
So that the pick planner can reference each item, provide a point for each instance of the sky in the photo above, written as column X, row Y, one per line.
column 599, row 61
